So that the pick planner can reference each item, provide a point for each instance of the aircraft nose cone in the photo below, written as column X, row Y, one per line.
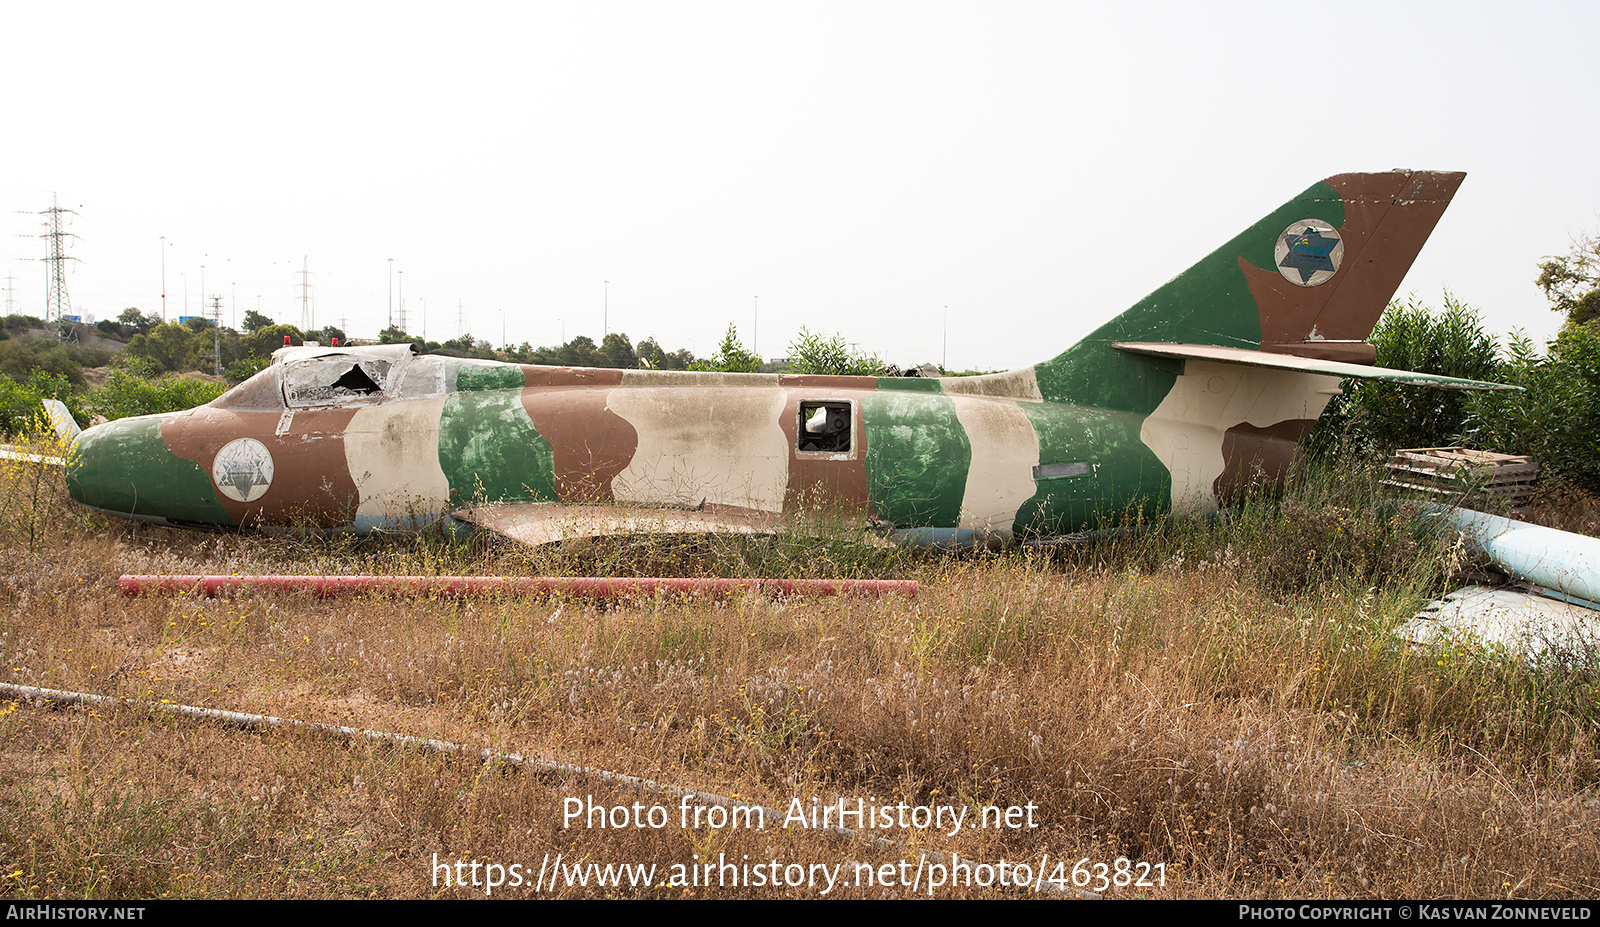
column 124, row 467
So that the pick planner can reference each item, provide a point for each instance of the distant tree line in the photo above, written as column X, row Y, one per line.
column 166, row 365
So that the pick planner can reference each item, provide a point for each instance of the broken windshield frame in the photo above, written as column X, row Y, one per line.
column 335, row 380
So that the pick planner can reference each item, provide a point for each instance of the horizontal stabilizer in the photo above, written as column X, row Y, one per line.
column 1248, row 358
column 537, row 523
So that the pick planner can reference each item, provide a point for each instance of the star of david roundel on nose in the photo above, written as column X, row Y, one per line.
column 1309, row 252
column 243, row 470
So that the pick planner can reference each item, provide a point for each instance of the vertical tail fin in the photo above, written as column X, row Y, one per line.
column 1388, row 217
column 1311, row 278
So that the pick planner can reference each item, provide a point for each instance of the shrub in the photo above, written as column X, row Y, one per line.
column 811, row 353
column 1572, row 283
column 1556, row 416
column 21, row 357
column 731, row 356
column 1378, row 416
column 246, row 367
column 20, row 410
column 126, row 394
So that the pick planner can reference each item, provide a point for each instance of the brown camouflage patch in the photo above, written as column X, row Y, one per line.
column 1387, row 219
column 1257, row 459
column 817, row 479
column 591, row 444
column 312, row 480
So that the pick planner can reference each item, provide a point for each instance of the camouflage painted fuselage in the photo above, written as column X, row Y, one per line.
column 956, row 453
column 377, row 438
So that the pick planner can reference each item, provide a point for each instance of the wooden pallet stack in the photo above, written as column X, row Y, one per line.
column 1458, row 476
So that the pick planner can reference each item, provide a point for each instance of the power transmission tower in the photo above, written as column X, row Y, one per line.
column 305, row 295
column 461, row 320
column 56, row 305
column 11, row 288
column 216, row 333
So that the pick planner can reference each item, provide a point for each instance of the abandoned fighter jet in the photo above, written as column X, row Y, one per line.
column 1204, row 385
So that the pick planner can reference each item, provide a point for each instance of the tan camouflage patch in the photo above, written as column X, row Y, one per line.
column 1004, row 452
column 715, row 445
column 1187, row 430
column 393, row 454
column 1014, row 384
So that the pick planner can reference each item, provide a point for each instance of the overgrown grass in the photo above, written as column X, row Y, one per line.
column 1331, row 529
column 1225, row 697
column 35, row 510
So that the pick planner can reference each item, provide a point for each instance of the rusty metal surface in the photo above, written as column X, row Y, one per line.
column 456, row 586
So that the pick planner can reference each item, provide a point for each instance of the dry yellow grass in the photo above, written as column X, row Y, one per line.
column 1171, row 701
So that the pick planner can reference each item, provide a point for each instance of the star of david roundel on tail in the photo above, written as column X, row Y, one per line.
column 243, row 470
column 1309, row 252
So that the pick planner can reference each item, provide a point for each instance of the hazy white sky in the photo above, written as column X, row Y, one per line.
column 1035, row 167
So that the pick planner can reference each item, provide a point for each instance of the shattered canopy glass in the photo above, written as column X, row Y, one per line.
column 335, row 379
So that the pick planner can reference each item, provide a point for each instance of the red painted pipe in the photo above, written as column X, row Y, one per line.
column 580, row 586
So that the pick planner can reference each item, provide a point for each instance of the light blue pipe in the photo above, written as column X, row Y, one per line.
column 1558, row 560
